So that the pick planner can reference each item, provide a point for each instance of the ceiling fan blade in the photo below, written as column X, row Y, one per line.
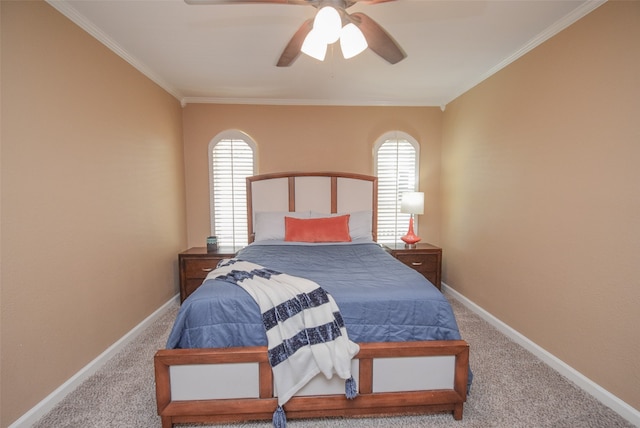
column 378, row 39
column 292, row 50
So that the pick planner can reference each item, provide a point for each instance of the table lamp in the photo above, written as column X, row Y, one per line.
column 412, row 203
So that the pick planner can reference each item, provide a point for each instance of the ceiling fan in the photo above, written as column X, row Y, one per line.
column 377, row 39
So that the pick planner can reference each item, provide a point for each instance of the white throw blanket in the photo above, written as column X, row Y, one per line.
column 305, row 332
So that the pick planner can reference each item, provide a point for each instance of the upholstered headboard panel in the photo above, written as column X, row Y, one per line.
column 325, row 192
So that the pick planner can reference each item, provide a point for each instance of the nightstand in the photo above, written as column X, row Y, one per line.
column 425, row 258
column 196, row 263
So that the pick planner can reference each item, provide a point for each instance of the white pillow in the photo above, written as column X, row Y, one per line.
column 359, row 223
column 270, row 224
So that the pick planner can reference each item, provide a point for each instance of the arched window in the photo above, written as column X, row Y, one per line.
column 231, row 160
column 396, row 163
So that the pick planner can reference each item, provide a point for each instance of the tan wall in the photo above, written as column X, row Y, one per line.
column 541, row 196
column 305, row 138
column 92, row 201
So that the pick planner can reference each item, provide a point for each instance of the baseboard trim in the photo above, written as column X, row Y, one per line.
column 50, row 401
column 605, row 397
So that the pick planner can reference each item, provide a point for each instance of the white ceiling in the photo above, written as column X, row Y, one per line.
column 227, row 53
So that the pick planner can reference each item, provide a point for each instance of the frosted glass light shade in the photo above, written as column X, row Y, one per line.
column 412, row 203
column 352, row 41
column 328, row 23
column 314, row 46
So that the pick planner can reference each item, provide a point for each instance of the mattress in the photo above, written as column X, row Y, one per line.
column 380, row 299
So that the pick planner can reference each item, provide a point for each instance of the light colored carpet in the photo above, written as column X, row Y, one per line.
column 511, row 389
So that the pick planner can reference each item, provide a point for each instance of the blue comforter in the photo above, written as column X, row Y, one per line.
column 380, row 299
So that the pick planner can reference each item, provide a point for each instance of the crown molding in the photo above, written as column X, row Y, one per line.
column 548, row 33
column 307, row 102
column 70, row 12
column 80, row 20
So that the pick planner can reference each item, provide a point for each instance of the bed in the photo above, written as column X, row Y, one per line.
column 216, row 368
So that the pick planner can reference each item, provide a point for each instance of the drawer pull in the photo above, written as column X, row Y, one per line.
column 416, row 263
column 207, row 269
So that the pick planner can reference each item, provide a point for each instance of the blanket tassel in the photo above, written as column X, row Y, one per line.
column 279, row 418
column 350, row 388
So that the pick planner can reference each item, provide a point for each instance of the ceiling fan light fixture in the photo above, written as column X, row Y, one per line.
column 328, row 23
column 352, row 41
column 314, row 45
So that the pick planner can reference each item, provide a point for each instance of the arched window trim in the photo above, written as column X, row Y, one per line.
column 395, row 136
column 231, row 134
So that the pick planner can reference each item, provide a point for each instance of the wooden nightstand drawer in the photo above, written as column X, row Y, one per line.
column 199, row 268
column 196, row 263
column 420, row 262
column 424, row 258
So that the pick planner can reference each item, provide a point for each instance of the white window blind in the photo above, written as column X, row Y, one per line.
column 397, row 171
column 232, row 161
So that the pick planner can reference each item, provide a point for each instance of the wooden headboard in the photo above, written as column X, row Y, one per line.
column 325, row 192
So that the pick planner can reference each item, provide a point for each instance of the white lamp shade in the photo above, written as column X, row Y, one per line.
column 412, row 203
column 328, row 23
column 352, row 41
column 314, row 46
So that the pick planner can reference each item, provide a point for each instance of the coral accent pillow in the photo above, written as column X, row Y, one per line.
column 326, row 229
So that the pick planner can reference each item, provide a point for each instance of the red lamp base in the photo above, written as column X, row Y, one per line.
column 410, row 239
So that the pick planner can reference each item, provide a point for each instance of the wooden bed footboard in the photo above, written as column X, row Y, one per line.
column 388, row 375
